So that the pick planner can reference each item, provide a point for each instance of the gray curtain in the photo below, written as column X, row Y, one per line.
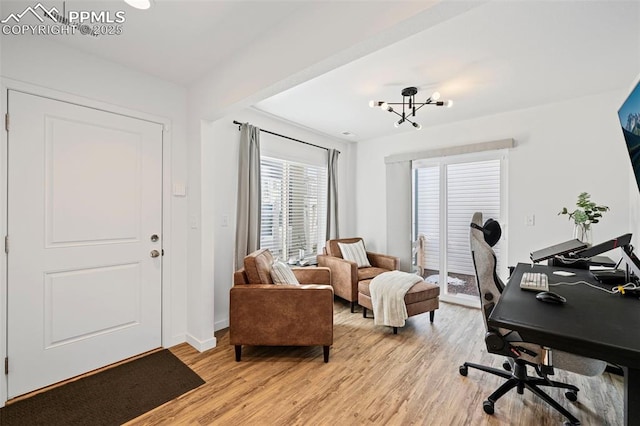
column 249, row 199
column 332, row 194
column 399, row 239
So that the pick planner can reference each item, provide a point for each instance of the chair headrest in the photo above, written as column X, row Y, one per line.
column 491, row 231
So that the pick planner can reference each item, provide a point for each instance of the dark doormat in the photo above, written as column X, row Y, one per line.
column 110, row 397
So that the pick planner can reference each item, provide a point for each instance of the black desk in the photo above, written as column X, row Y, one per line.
column 592, row 323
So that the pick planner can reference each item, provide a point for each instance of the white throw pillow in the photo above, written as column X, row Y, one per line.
column 282, row 274
column 355, row 253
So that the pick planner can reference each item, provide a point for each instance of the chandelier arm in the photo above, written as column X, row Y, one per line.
column 396, row 113
column 424, row 103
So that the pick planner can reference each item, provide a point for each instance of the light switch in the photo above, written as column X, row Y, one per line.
column 179, row 189
column 225, row 220
column 530, row 220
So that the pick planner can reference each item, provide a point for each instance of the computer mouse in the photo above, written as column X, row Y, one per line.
column 550, row 297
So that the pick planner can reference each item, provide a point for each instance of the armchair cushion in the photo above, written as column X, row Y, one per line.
column 257, row 266
column 282, row 274
column 355, row 252
column 369, row 273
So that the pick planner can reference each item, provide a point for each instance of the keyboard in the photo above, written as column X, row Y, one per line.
column 534, row 281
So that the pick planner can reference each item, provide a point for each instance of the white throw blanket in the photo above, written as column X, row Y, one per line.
column 387, row 296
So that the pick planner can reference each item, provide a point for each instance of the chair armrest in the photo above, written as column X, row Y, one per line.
column 310, row 275
column 281, row 315
column 340, row 268
column 344, row 276
column 383, row 261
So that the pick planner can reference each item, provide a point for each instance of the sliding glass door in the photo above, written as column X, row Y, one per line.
column 446, row 193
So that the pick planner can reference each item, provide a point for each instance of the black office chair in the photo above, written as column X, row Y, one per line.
column 508, row 343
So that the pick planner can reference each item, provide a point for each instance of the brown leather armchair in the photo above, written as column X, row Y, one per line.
column 265, row 314
column 346, row 275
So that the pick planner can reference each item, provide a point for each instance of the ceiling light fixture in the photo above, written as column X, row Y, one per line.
column 410, row 106
column 139, row 4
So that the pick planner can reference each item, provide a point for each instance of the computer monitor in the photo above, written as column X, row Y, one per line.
column 629, row 115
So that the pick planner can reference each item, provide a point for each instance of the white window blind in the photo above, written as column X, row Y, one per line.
column 293, row 207
column 471, row 187
column 427, row 212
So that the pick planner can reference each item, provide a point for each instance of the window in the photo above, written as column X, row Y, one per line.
column 446, row 193
column 293, row 207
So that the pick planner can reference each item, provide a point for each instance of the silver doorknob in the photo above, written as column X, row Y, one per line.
column 154, row 238
column 155, row 253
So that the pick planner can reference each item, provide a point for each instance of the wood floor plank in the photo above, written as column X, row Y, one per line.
column 374, row 378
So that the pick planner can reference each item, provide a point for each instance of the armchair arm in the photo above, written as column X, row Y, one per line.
column 281, row 315
column 344, row 276
column 313, row 275
column 383, row 261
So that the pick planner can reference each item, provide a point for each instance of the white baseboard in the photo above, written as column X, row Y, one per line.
column 175, row 340
column 219, row 325
column 201, row 345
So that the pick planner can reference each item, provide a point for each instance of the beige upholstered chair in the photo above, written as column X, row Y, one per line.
column 265, row 314
column 508, row 343
column 346, row 275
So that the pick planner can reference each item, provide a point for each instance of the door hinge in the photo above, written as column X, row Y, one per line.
column 6, row 244
column 6, row 365
column 6, row 122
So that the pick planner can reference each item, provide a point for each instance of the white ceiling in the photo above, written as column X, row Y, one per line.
column 497, row 57
column 183, row 40
column 493, row 57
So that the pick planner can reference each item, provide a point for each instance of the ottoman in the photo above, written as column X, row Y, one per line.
column 421, row 298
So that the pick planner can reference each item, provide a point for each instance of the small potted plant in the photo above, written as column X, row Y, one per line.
column 584, row 216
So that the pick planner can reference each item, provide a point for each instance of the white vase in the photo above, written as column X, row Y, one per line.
column 583, row 233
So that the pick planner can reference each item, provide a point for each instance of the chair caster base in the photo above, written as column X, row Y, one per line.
column 487, row 406
column 571, row 395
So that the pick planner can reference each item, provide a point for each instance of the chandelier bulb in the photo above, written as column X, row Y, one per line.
column 385, row 107
column 435, row 96
column 398, row 123
column 372, row 104
column 449, row 103
column 139, row 4
column 417, row 126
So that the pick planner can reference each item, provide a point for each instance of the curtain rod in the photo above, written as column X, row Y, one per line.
column 286, row 137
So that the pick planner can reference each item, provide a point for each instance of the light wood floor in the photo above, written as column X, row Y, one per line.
column 375, row 378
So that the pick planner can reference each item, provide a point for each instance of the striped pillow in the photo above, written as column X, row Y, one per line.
column 282, row 274
column 355, row 253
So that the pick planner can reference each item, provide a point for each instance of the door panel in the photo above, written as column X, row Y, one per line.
column 84, row 197
column 106, row 171
column 111, row 300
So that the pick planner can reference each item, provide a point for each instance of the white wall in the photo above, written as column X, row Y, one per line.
column 561, row 150
column 221, row 141
column 41, row 62
column 278, row 61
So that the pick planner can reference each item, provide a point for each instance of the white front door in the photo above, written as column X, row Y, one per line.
column 84, row 219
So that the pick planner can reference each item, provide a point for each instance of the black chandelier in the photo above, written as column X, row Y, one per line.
column 410, row 106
